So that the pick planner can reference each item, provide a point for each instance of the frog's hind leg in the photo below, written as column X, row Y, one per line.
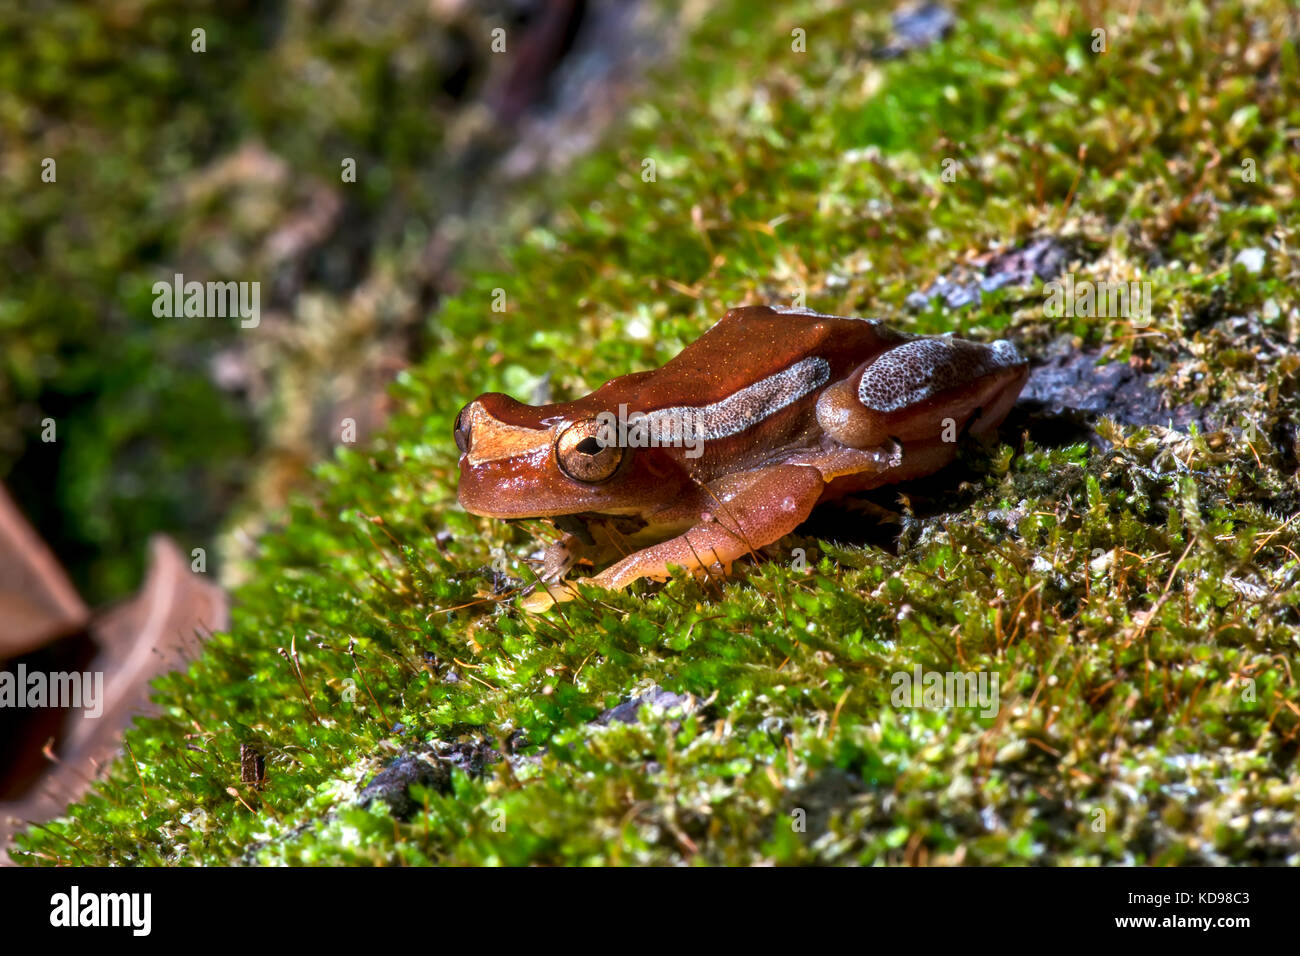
column 765, row 510
column 930, row 389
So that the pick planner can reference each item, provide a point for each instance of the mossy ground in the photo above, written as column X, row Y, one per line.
column 1135, row 596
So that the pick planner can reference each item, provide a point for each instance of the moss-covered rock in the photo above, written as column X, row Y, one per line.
column 1134, row 594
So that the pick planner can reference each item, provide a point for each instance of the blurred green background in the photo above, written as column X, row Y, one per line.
column 223, row 164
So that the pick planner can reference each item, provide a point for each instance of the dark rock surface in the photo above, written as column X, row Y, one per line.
column 1038, row 260
column 1080, row 381
column 392, row 785
column 656, row 697
column 917, row 26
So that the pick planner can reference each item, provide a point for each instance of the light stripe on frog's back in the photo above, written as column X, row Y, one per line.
column 748, row 407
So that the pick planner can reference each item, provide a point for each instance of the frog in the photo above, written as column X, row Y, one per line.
column 730, row 445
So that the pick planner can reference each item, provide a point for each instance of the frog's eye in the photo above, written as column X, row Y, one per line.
column 583, row 456
column 461, row 430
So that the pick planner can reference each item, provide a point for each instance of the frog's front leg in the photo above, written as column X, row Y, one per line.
column 771, row 504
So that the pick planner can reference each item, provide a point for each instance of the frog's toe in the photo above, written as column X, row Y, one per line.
column 538, row 602
column 547, row 596
column 560, row 558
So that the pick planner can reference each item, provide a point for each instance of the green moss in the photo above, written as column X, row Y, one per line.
column 1136, row 603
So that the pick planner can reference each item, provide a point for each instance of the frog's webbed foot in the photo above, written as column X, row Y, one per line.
column 546, row 596
column 560, row 557
column 582, row 543
column 557, row 562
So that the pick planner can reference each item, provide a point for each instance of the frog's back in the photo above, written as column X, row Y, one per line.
column 750, row 346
